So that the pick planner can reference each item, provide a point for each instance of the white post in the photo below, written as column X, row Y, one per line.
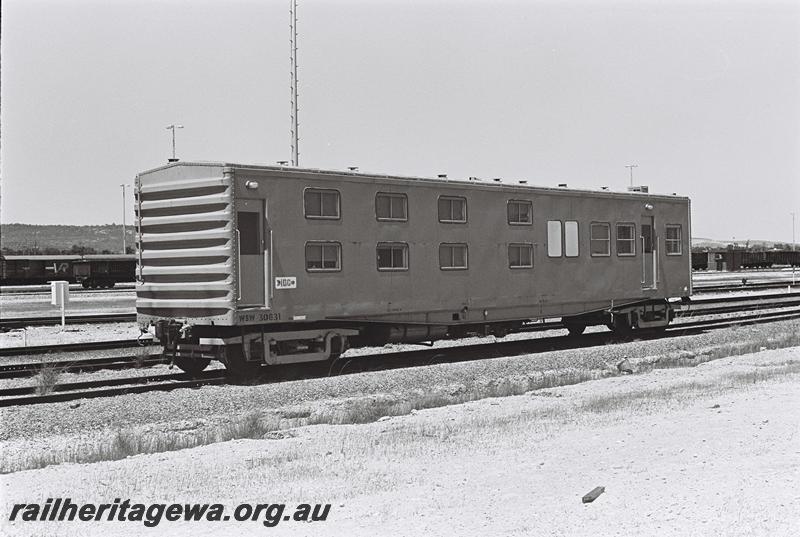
column 59, row 296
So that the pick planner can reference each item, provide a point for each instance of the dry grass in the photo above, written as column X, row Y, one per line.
column 47, row 378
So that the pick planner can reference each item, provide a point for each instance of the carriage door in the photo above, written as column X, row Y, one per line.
column 648, row 243
column 252, row 252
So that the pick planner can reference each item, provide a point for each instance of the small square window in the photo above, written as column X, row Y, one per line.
column 520, row 256
column 673, row 240
column 323, row 256
column 321, row 203
column 600, row 240
column 391, row 207
column 452, row 210
column 520, row 212
column 453, row 256
column 392, row 256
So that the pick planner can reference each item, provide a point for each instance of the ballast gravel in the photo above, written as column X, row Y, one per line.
column 58, row 423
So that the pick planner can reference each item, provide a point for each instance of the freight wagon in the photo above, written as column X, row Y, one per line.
column 92, row 271
column 254, row 265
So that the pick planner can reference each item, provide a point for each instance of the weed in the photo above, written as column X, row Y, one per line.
column 47, row 378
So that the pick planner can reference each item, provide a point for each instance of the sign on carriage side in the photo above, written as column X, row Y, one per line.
column 286, row 282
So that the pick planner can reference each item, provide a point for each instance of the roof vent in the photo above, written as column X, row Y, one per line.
column 639, row 188
column 562, row 185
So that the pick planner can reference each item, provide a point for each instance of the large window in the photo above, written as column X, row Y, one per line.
column 554, row 238
column 520, row 255
column 452, row 210
column 673, row 242
column 600, row 239
column 453, row 256
column 321, row 203
column 391, row 207
column 520, row 212
column 323, row 256
column 626, row 239
column 571, row 239
column 392, row 256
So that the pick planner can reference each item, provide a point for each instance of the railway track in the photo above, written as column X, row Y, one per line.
column 23, row 322
column 69, row 347
column 110, row 388
column 9, row 371
column 9, row 323
column 751, row 286
column 710, row 306
column 373, row 362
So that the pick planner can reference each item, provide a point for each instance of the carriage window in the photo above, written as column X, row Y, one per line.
column 673, row 242
column 249, row 234
column 626, row 239
column 600, row 240
column 391, row 207
column 571, row 239
column 453, row 256
column 554, row 238
column 319, row 203
column 520, row 212
column 323, row 256
column 452, row 210
column 392, row 256
column 520, row 256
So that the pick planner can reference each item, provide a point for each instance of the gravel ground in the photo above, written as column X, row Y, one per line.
column 73, row 333
column 44, row 427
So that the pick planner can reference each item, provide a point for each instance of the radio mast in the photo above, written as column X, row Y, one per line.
column 293, row 80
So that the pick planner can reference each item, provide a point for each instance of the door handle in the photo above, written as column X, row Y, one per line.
column 238, row 265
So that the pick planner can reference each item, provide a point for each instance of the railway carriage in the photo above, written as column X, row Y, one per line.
column 255, row 265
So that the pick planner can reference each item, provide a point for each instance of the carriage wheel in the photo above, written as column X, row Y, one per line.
column 575, row 329
column 237, row 366
column 191, row 366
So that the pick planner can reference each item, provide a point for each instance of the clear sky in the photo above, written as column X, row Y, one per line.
column 703, row 96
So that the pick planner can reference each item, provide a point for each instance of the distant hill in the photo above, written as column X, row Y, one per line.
column 53, row 239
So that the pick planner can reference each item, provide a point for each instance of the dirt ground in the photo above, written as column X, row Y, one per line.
column 710, row 450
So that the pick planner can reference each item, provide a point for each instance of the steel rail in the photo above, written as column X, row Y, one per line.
column 107, row 383
column 77, row 347
column 22, row 322
column 8, row 371
column 109, row 392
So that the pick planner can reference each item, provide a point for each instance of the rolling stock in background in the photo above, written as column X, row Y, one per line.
column 92, row 271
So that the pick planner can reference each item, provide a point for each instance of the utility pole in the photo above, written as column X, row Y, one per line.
column 172, row 128
column 631, row 167
column 293, row 82
column 124, row 231
column 793, row 248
